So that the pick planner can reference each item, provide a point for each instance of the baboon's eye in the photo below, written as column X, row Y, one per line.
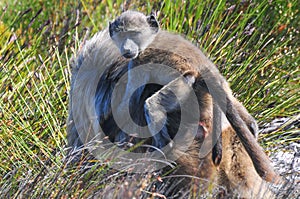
column 118, row 25
column 115, row 27
column 153, row 23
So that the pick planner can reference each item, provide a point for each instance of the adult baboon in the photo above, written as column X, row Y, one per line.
column 156, row 97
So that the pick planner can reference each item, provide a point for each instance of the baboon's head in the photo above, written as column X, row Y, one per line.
column 132, row 32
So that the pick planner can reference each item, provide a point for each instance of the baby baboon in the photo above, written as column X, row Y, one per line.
column 160, row 100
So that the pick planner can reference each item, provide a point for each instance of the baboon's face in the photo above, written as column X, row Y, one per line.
column 132, row 32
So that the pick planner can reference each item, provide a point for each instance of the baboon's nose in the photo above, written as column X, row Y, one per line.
column 129, row 49
column 130, row 55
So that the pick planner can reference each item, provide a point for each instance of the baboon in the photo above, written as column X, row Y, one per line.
column 134, row 40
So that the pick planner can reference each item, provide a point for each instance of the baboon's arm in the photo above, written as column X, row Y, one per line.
column 164, row 101
column 216, row 135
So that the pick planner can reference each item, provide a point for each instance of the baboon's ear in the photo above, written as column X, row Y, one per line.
column 153, row 23
column 110, row 29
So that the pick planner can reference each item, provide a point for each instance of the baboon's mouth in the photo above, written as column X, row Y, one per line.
column 130, row 55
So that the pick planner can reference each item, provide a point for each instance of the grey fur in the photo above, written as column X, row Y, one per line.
column 132, row 32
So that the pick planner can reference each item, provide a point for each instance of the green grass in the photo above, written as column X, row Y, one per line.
column 255, row 45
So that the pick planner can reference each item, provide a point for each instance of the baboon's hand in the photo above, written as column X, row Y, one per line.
column 248, row 119
column 252, row 125
column 73, row 136
column 121, row 138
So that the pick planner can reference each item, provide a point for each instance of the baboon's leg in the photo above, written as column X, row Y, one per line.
column 216, row 135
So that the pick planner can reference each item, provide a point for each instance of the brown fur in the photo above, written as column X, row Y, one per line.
column 236, row 113
column 236, row 171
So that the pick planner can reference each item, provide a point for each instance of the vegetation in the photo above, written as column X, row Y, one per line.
column 255, row 44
